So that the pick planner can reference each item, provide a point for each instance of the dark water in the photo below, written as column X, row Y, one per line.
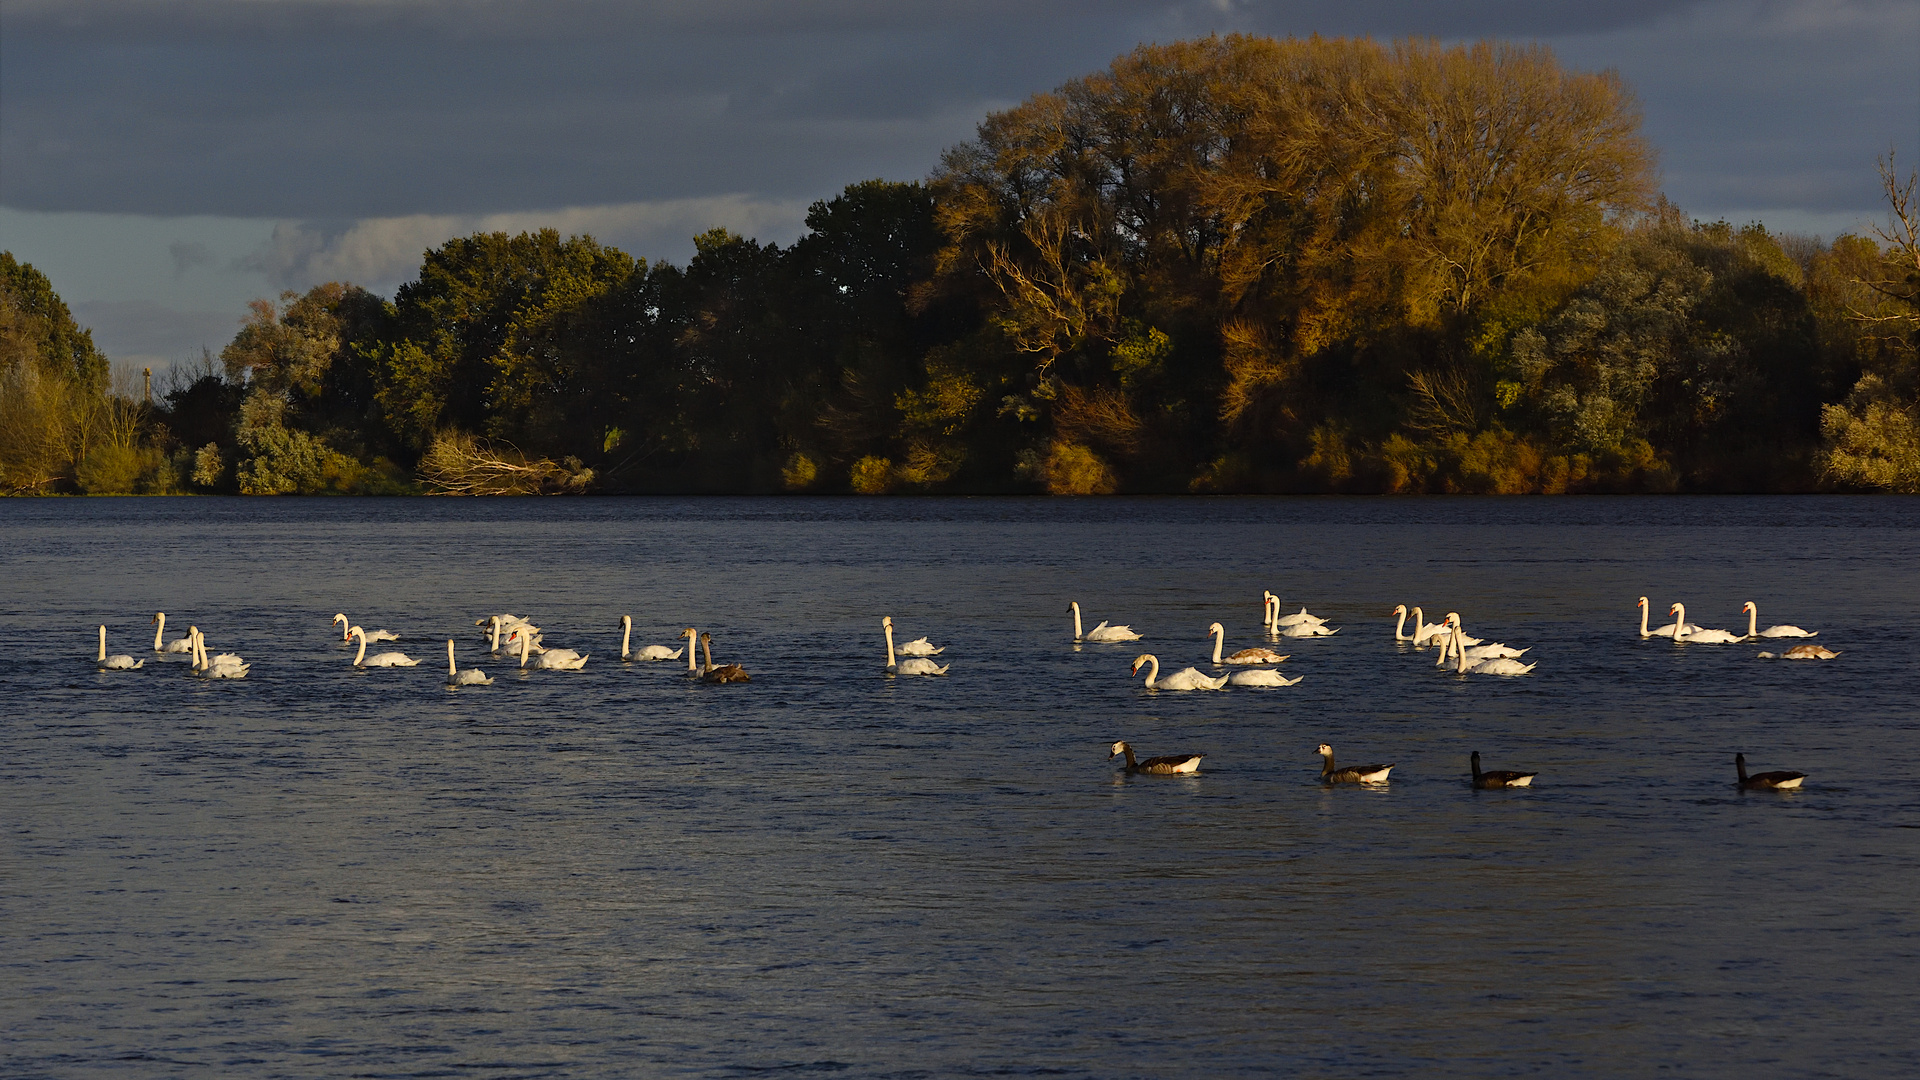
column 611, row 873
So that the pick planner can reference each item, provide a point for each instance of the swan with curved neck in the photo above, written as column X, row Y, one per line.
column 1170, row 765
column 1498, row 665
column 375, row 636
column 914, row 665
column 1400, row 623
column 182, row 644
column 385, row 659
column 1495, row 651
column 724, row 673
column 1659, row 631
column 1276, row 622
column 223, row 666
column 1103, row 632
column 469, row 677
column 647, row 652
column 1753, row 621
column 1254, row 655
column 116, row 662
column 1685, row 634
column 1188, row 679
column 1426, row 633
column 549, row 659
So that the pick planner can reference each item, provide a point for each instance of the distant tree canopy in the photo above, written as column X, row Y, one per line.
column 1230, row 264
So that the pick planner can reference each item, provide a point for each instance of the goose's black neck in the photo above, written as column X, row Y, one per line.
column 1740, row 763
column 1476, row 764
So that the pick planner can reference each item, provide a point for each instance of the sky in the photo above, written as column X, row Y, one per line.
column 166, row 161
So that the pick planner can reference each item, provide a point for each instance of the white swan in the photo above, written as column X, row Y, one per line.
column 1189, row 679
column 223, row 666
column 1753, row 620
column 1254, row 655
column 1426, row 633
column 1685, row 634
column 375, row 636
column 1492, row 666
column 116, row 662
column 1495, row 651
column 385, row 659
column 1298, row 618
column 911, row 666
column 1400, row 623
column 469, row 677
column 497, row 626
column 551, row 659
column 1103, row 632
column 647, row 652
column 1265, row 676
column 1659, row 631
column 182, row 644
column 691, row 635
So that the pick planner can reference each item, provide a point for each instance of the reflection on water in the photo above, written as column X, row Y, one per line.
column 622, row 871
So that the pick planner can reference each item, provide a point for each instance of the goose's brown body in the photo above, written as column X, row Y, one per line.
column 1352, row 774
column 1499, row 778
column 1160, row 766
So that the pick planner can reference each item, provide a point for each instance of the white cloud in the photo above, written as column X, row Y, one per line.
column 381, row 253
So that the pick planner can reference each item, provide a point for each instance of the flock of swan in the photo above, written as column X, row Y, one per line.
column 513, row 637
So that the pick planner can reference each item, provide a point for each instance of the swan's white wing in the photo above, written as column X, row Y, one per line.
column 658, row 652
column 920, row 666
column 920, row 647
column 1788, row 631
column 1103, row 632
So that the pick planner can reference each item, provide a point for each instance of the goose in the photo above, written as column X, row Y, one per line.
column 1498, row 665
column 182, row 644
column 1494, row 651
column 1244, row 656
column 1188, row 679
column 469, row 677
column 385, row 659
column 223, row 666
column 1809, row 652
column 1766, row 781
column 1157, row 766
column 916, row 665
column 1658, row 631
column 1753, row 620
column 375, row 636
column 1352, row 774
column 550, row 659
column 647, row 652
column 1499, row 778
column 725, row 673
column 1686, row 634
column 1103, row 632
column 118, row 661
column 1261, row 677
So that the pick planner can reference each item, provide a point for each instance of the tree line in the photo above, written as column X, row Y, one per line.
column 1235, row 264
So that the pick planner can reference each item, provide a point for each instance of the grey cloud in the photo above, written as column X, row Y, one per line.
column 187, row 254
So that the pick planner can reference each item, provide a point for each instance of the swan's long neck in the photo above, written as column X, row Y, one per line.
column 1153, row 670
column 690, row 636
column 706, row 652
column 1644, row 611
column 1753, row 619
column 526, row 643
column 160, row 627
column 1461, row 650
column 1419, row 625
column 199, row 650
column 1400, row 625
column 1679, row 620
column 1273, row 614
column 626, row 634
column 495, row 646
column 451, row 670
column 1219, row 641
column 888, row 627
column 103, row 643
column 362, row 654
column 1076, row 620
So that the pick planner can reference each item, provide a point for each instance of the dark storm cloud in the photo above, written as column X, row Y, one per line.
column 356, row 109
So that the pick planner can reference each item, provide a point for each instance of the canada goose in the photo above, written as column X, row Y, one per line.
column 1159, row 766
column 1766, row 781
column 726, row 673
column 1499, row 778
column 1352, row 774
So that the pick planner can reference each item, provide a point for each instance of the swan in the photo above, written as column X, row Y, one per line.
column 1686, row 634
column 385, row 659
column 1307, row 629
column 1766, row 781
column 692, row 637
column 1400, row 623
column 375, row 636
column 1352, row 774
column 551, row 659
column 116, row 662
column 469, row 677
column 1498, row 665
column 1189, row 679
column 1158, row 766
column 1426, row 633
column 1261, row 677
column 913, row 665
column 1499, row 778
column 1298, row 618
column 1659, row 631
column 182, row 644
column 1103, row 632
column 647, row 652
column 920, row 647
column 1809, row 652
column 1753, row 620
column 1244, row 656
column 725, row 673
column 497, row 626
column 223, row 666
column 1495, row 651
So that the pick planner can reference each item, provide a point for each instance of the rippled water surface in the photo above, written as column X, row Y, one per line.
column 622, row 872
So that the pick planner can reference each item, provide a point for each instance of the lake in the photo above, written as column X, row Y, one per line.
column 621, row 871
